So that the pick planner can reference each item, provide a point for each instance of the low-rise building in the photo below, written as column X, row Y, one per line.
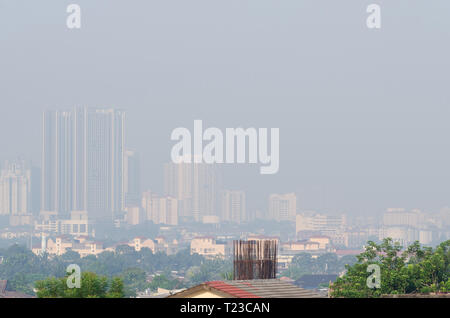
column 208, row 247
column 323, row 241
column 300, row 246
column 140, row 242
column 64, row 243
column 77, row 224
column 159, row 244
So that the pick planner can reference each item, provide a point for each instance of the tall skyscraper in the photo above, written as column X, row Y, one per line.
column 82, row 156
column 178, row 184
column 233, row 206
column 132, row 182
column 204, row 191
column 15, row 189
column 147, row 203
column 57, row 180
column 283, row 207
column 195, row 186
column 35, row 190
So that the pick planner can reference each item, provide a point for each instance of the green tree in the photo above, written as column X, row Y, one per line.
column 135, row 280
column 116, row 290
column 328, row 263
column 208, row 271
column 163, row 281
column 92, row 286
column 51, row 288
column 414, row 270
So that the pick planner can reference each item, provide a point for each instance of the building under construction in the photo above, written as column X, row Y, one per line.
column 256, row 259
column 255, row 268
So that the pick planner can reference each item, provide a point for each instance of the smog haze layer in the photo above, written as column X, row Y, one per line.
column 363, row 114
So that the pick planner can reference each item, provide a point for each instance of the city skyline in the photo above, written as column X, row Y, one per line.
column 362, row 113
column 70, row 122
column 225, row 149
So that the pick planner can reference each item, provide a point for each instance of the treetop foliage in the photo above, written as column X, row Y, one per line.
column 416, row 269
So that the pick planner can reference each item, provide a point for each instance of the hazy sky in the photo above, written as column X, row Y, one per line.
column 364, row 115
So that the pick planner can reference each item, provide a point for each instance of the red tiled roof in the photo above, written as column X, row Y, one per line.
column 257, row 288
column 232, row 290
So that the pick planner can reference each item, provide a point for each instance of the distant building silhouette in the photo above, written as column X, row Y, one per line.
column 282, row 207
column 15, row 189
column 195, row 186
column 160, row 210
column 132, row 181
column 82, row 161
column 233, row 206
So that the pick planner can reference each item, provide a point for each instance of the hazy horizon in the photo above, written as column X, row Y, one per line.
column 363, row 114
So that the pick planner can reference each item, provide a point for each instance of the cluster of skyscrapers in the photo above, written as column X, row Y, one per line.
column 89, row 176
column 87, row 172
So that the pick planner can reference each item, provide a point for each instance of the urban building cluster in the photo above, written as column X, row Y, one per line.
column 84, row 245
column 89, row 177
